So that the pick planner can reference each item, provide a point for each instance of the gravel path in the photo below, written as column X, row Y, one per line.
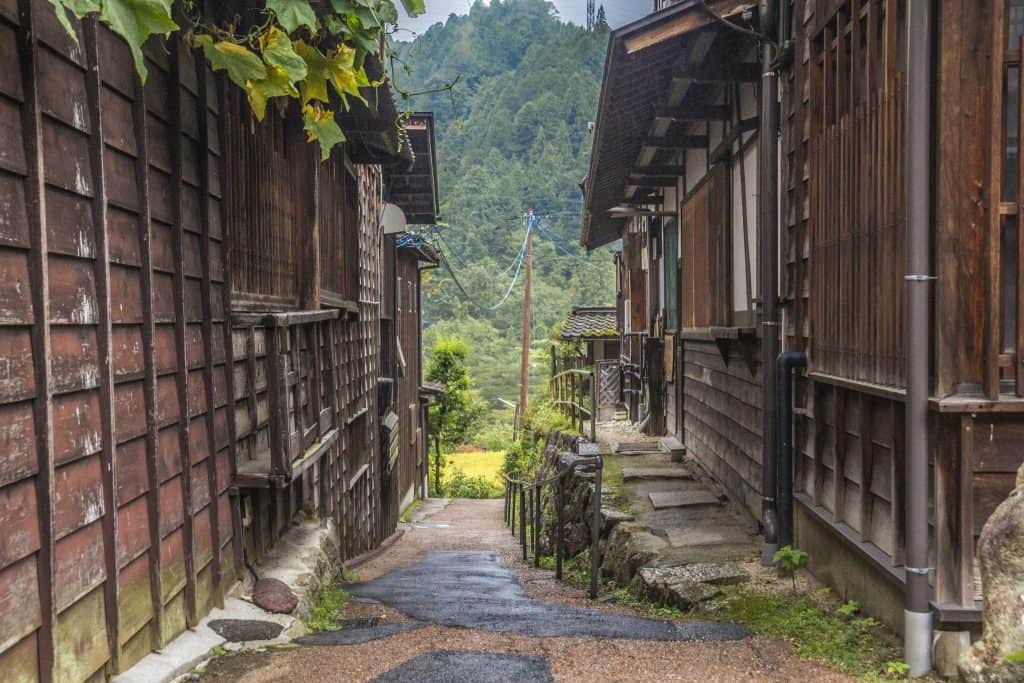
column 415, row 654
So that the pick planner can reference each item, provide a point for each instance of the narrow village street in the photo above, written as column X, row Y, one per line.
column 458, row 571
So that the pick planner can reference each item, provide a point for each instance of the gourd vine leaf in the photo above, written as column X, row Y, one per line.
column 276, row 84
column 136, row 21
column 82, row 7
column 321, row 126
column 62, row 18
column 314, row 86
column 241, row 64
column 278, row 51
column 341, row 71
column 292, row 14
column 414, row 8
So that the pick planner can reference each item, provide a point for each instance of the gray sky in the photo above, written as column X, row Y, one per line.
column 619, row 12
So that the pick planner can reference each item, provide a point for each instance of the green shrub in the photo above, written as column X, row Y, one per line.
column 788, row 560
column 461, row 485
column 330, row 601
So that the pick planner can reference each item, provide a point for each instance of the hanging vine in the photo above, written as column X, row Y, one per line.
column 302, row 50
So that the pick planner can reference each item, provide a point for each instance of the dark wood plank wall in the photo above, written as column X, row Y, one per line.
column 118, row 442
column 843, row 128
column 722, row 418
column 408, row 473
column 113, row 438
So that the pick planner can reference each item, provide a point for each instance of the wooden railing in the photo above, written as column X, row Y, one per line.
column 573, row 392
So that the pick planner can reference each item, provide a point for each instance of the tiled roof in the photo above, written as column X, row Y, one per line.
column 591, row 322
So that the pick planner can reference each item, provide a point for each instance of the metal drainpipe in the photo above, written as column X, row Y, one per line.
column 917, row 615
column 768, row 220
column 787, row 362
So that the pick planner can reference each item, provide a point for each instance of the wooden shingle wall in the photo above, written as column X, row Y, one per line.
column 113, row 431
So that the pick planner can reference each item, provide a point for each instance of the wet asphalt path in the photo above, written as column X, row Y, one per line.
column 452, row 602
column 469, row 589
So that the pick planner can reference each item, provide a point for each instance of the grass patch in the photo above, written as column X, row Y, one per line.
column 330, row 601
column 836, row 637
column 406, row 515
column 611, row 478
column 485, row 464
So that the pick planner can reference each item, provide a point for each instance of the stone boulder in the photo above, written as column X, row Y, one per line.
column 274, row 596
column 629, row 546
column 999, row 655
column 687, row 586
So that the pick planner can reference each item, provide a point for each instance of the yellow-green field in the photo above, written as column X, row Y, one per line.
column 483, row 464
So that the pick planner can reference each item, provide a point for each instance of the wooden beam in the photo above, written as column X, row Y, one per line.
column 676, row 141
column 662, row 170
column 206, row 289
column 652, row 181
column 42, row 405
column 696, row 112
column 718, row 71
column 101, row 271
column 144, row 228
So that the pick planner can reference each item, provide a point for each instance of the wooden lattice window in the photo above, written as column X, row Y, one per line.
column 268, row 167
column 857, row 209
column 339, row 231
column 705, row 250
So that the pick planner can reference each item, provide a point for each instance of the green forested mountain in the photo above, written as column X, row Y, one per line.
column 511, row 136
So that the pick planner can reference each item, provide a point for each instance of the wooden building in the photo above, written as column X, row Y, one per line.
column 190, row 328
column 673, row 173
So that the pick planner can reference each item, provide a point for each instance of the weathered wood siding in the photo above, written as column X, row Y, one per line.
column 722, row 418
column 113, row 432
column 843, row 264
column 409, row 469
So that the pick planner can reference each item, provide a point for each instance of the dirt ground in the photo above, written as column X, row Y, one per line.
column 477, row 525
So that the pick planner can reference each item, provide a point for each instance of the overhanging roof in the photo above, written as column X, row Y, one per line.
column 649, row 63
column 591, row 322
column 414, row 188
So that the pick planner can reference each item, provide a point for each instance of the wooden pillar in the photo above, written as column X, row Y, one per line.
column 35, row 191
column 104, row 352
column 180, row 324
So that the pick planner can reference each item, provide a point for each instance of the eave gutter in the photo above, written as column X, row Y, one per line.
column 917, row 613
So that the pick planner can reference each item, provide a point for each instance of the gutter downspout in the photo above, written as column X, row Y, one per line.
column 768, row 234
column 787, row 362
column 917, row 615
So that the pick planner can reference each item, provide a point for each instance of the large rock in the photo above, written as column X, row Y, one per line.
column 999, row 655
column 275, row 596
column 686, row 587
column 629, row 547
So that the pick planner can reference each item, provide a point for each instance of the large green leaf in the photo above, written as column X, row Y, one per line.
column 292, row 14
column 62, row 17
column 314, row 86
column 241, row 64
column 414, row 7
column 320, row 125
column 278, row 51
column 82, row 7
column 136, row 21
column 276, row 84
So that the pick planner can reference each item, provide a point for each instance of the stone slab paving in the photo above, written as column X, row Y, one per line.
column 469, row 589
column 676, row 472
column 682, row 499
column 478, row 667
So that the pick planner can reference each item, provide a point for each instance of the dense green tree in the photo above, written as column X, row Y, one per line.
column 511, row 136
column 458, row 413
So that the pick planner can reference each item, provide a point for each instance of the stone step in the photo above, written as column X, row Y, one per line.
column 679, row 499
column 670, row 472
column 687, row 586
column 673, row 447
column 720, row 535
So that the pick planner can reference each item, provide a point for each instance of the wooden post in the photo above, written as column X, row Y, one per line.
column 524, row 367
column 42, row 405
column 101, row 270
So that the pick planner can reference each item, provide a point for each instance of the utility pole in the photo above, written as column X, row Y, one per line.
column 524, row 367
